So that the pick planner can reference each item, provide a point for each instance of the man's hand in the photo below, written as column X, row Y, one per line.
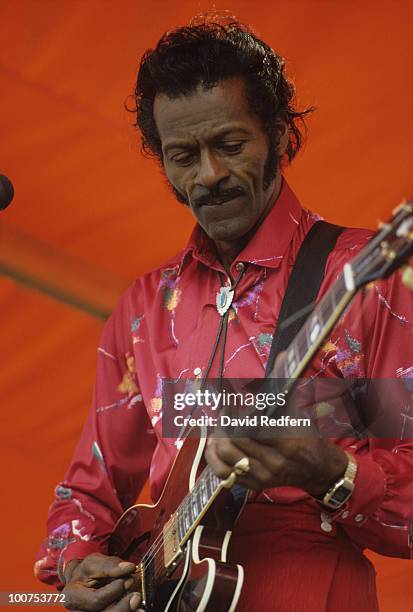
column 99, row 582
column 312, row 464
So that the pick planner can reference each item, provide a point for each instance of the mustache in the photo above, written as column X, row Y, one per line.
column 217, row 196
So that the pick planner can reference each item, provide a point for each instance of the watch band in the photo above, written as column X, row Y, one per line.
column 341, row 491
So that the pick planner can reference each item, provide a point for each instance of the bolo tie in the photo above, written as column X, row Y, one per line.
column 223, row 301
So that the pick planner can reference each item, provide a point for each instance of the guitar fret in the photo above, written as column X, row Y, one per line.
column 204, row 493
column 310, row 332
column 193, row 504
column 301, row 347
column 199, row 503
column 329, row 303
column 292, row 358
column 314, row 328
column 187, row 519
column 216, row 481
column 333, row 303
column 181, row 526
column 210, row 488
column 319, row 313
column 195, row 507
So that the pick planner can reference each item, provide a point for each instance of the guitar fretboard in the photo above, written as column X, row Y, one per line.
column 313, row 332
column 195, row 502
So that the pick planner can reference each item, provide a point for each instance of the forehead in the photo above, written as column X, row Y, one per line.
column 205, row 113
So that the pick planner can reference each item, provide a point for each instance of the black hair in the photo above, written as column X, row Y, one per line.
column 209, row 50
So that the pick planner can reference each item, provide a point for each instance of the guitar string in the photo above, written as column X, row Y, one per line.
column 158, row 564
column 158, row 561
column 185, row 504
column 154, row 553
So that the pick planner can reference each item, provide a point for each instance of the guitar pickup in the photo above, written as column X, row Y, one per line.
column 171, row 543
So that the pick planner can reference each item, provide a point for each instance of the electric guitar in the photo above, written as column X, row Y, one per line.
column 180, row 544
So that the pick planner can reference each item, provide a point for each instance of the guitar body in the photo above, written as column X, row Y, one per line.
column 198, row 579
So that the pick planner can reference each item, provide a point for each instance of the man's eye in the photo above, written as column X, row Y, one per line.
column 183, row 159
column 231, row 147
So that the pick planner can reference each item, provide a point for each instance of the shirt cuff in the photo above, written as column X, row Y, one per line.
column 368, row 494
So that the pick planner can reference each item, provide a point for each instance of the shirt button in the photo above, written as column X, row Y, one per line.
column 197, row 371
column 345, row 514
column 327, row 527
column 358, row 518
column 239, row 266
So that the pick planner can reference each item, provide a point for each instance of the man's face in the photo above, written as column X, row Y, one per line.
column 214, row 155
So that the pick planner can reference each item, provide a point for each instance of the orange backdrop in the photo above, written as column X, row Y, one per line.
column 82, row 187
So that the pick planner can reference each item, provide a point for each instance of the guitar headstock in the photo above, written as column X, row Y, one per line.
column 389, row 249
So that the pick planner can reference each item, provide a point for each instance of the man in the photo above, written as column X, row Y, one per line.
column 216, row 109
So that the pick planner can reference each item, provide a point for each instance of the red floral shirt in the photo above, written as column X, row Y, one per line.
column 165, row 326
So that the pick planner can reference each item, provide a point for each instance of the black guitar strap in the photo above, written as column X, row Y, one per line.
column 302, row 289
column 303, row 285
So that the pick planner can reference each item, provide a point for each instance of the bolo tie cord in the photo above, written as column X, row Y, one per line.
column 222, row 330
column 222, row 327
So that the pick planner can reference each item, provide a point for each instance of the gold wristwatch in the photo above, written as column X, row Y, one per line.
column 341, row 491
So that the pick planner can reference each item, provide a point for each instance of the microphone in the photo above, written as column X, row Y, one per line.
column 6, row 192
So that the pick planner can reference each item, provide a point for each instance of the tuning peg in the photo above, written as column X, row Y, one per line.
column 382, row 225
column 399, row 207
column 407, row 277
column 388, row 253
column 405, row 204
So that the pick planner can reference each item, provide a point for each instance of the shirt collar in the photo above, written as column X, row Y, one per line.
column 269, row 243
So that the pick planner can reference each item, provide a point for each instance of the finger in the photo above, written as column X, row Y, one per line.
column 267, row 463
column 132, row 583
column 128, row 603
column 123, row 568
column 101, row 566
column 80, row 597
column 224, row 449
column 258, row 476
column 268, row 456
column 222, row 455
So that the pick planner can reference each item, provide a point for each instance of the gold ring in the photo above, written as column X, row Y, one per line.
column 242, row 466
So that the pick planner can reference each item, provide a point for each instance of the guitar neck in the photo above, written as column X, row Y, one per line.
column 314, row 331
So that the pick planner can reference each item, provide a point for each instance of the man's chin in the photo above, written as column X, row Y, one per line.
column 226, row 231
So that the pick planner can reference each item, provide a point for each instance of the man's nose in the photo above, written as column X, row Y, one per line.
column 211, row 170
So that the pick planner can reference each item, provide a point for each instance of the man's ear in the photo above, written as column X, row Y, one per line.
column 282, row 137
